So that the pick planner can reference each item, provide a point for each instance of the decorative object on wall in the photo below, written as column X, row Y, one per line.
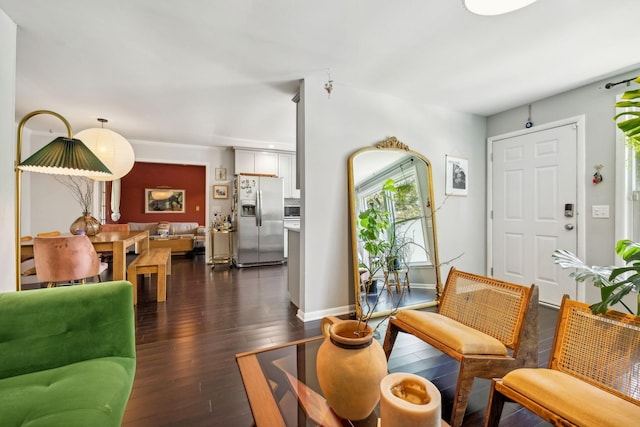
column 164, row 200
column 220, row 191
column 62, row 156
column 494, row 7
column 457, row 176
column 328, row 86
column 221, row 174
column 597, row 177
column 111, row 148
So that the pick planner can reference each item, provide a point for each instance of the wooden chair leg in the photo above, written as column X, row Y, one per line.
column 494, row 407
column 461, row 398
column 390, row 338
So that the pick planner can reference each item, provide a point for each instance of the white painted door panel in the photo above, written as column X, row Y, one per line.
column 533, row 178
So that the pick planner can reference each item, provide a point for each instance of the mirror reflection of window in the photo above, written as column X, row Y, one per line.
column 406, row 207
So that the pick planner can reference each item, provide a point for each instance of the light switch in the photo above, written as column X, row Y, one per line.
column 600, row 211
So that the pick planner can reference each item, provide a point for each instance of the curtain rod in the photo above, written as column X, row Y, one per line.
column 610, row 85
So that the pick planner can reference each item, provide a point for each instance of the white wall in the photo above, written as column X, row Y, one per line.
column 352, row 119
column 597, row 104
column 8, row 31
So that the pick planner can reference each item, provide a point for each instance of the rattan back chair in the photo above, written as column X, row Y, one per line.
column 489, row 326
column 593, row 358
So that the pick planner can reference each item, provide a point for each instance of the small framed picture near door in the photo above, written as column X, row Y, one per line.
column 220, row 191
column 221, row 174
column 457, row 176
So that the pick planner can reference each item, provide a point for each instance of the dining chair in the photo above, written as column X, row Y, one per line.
column 66, row 259
column 27, row 266
column 28, row 272
column 123, row 228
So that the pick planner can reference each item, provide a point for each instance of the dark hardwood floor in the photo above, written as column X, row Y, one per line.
column 186, row 369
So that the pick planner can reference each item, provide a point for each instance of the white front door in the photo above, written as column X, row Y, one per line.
column 533, row 204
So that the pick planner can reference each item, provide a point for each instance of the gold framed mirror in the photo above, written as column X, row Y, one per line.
column 394, row 243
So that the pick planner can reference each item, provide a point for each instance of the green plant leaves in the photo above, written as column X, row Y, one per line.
column 614, row 282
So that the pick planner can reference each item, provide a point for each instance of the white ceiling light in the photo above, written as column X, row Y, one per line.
column 494, row 7
column 111, row 148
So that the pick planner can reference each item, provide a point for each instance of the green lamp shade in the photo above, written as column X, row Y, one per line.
column 65, row 156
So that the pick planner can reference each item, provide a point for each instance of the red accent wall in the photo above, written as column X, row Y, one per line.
column 190, row 178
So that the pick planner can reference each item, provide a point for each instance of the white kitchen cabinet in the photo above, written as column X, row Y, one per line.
column 287, row 170
column 261, row 162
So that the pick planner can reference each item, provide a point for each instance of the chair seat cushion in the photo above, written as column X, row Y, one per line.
column 461, row 338
column 573, row 399
column 88, row 393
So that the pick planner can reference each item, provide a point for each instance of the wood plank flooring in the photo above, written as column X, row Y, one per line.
column 186, row 369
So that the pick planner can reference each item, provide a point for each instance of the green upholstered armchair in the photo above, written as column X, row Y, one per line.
column 67, row 355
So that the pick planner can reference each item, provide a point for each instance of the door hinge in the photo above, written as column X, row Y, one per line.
column 491, row 271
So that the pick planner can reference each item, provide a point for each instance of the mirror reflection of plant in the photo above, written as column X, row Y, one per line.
column 373, row 225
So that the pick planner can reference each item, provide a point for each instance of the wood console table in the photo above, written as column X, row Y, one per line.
column 176, row 244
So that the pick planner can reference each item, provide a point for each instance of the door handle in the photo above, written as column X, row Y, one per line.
column 568, row 226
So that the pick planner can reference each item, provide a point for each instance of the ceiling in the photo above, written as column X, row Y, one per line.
column 220, row 72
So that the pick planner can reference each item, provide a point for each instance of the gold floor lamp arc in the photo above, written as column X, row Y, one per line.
column 62, row 156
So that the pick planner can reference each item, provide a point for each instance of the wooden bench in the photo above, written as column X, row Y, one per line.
column 593, row 375
column 152, row 261
column 489, row 326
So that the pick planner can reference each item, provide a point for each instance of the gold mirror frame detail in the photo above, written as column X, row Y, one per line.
column 391, row 144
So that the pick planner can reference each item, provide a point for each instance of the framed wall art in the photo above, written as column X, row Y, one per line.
column 220, row 191
column 457, row 176
column 164, row 200
column 221, row 174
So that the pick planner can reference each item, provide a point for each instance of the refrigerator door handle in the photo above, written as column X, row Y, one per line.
column 259, row 208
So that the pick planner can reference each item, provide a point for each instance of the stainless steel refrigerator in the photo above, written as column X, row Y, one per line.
column 259, row 222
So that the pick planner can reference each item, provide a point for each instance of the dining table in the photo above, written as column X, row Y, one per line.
column 115, row 242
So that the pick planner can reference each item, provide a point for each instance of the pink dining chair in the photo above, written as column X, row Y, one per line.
column 65, row 259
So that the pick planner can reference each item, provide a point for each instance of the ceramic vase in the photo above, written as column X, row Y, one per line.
column 85, row 224
column 350, row 367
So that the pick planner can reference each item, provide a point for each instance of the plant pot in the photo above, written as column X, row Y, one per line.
column 350, row 368
column 85, row 224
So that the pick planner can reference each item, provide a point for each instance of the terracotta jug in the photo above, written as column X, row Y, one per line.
column 350, row 367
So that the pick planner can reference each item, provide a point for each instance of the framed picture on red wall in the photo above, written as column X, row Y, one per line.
column 164, row 200
column 220, row 191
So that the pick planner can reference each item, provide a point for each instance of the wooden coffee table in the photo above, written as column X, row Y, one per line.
column 283, row 389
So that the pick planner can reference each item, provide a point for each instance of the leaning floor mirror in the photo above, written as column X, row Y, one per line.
column 393, row 230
